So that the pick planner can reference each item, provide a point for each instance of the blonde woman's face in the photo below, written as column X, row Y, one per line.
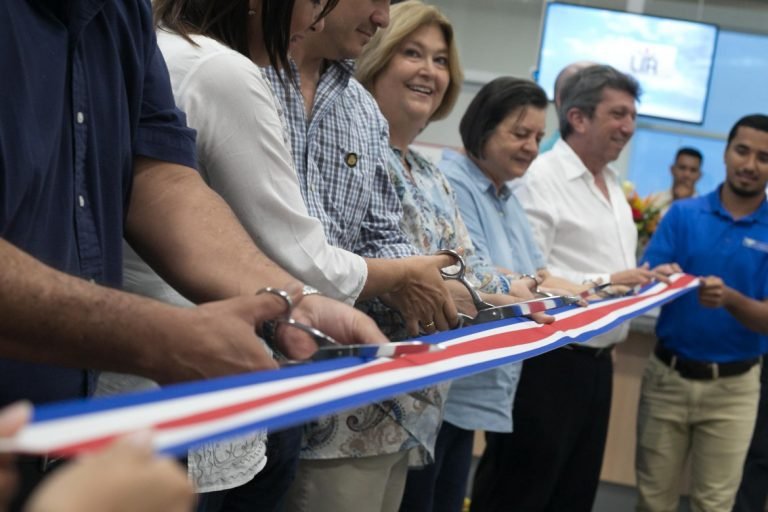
column 414, row 82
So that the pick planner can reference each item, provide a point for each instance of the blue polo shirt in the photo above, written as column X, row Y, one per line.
column 84, row 91
column 704, row 239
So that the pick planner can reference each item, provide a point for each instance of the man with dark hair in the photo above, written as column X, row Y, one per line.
column 356, row 460
column 583, row 226
column 701, row 387
column 686, row 171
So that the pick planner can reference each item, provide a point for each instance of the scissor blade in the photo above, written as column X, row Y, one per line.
column 397, row 349
column 521, row 309
column 594, row 290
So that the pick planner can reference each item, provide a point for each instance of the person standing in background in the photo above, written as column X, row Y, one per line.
column 686, row 172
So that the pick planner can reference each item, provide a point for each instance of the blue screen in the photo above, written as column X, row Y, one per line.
column 672, row 59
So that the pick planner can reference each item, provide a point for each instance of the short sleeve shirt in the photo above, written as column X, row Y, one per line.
column 89, row 92
column 704, row 239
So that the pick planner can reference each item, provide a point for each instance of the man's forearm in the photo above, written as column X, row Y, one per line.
column 189, row 235
column 51, row 317
column 753, row 314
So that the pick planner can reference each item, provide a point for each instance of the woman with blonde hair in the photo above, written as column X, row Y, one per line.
column 412, row 69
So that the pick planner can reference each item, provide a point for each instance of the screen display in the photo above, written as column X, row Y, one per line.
column 672, row 59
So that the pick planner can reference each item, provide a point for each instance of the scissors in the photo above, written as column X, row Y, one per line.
column 328, row 347
column 607, row 290
column 487, row 312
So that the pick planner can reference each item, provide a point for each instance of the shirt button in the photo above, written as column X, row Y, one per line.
column 81, row 201
column 80, row 118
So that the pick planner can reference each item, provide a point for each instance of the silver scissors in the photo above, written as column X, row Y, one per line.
column 328, row 347
column 487, row 312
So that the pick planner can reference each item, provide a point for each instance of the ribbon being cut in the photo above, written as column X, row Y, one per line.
column 185, row 415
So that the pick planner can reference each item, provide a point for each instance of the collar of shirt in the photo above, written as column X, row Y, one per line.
column 576, row 168
column 715, row 205
column 75, row 14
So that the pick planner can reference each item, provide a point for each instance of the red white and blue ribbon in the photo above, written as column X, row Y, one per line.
column 186, row 415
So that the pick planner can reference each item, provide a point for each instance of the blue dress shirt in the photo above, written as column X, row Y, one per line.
column 500, row 231
column 497, row 223
column 85, row 91
column 704, row 239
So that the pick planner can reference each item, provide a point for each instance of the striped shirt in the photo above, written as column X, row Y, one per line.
column 340, row 155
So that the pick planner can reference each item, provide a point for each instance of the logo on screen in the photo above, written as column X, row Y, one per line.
column 651, row 59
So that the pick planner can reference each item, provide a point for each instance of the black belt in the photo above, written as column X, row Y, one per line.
column 586, row 349
column 702, row 370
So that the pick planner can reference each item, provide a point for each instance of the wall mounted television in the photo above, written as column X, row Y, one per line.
column 672, row 59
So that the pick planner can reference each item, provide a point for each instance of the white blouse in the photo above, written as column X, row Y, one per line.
column 244, row 155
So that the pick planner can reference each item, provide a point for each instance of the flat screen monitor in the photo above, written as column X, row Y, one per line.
column 672, row 59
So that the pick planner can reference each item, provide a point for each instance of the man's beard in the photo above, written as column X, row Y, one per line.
column 744, row 193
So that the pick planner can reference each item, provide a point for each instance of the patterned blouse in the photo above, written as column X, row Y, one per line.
column 431, row 217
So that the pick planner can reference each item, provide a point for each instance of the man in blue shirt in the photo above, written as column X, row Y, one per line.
column 701, row 387
column 92, row 148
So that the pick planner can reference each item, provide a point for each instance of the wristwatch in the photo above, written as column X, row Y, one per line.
column 535, row 279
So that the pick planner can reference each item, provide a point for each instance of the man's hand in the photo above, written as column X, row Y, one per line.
column 344, row 323
column 124, row 477
column 666, row 270
column 712, row 292
column 220, row 339
column 422, row 297
column 639, row 276
column 12, row 418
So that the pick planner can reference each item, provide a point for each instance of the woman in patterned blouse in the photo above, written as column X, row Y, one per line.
column 413, row 71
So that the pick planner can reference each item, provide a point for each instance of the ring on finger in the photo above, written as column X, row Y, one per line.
column 429, row 325
column 282, row 294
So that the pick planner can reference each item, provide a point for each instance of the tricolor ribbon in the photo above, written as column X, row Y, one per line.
column 186, row 415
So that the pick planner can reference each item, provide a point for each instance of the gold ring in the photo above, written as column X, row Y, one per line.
column 430, row 324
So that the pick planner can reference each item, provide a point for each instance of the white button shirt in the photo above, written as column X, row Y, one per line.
column 582, row 235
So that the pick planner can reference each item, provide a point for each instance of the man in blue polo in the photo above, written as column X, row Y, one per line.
column 701, row 387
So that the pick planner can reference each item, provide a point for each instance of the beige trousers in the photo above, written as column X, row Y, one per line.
column 365, row 484
column 709, row 420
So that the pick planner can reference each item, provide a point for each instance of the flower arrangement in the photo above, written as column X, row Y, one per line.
column 645, row 212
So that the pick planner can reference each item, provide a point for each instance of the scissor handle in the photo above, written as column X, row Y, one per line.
column 460, row 276
column 461, row 266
